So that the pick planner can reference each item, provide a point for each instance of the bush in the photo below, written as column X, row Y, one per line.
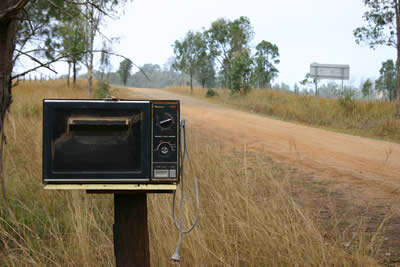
column 347, row 102
column 103, row 89
column 211, row 93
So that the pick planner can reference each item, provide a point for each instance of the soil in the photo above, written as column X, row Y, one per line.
column 341, row 177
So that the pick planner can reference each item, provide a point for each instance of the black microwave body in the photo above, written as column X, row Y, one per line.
column 101, row 141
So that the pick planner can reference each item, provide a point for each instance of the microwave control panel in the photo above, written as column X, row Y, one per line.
column 166, row 129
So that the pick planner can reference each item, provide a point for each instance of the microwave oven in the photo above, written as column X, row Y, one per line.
column 111, row 142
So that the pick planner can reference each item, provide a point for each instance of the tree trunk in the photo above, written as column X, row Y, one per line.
column 8, row 29
column 191, row 82
column 90, row 66
column 398, row 57
column 90, row 34
column 69, row 72
column 74, row 73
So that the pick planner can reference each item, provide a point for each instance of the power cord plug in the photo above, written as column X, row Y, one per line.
column 176, row 257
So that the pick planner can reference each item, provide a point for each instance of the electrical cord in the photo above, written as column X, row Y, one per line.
column 185, row 153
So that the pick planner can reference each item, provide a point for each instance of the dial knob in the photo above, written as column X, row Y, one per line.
column 164, row 148
column 166, row 120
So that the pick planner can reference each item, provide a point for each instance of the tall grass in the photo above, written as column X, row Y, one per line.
column 247, row 216
column 365, row 118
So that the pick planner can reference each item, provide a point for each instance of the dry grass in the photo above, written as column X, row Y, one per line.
column 365, row 118
column 247, row 216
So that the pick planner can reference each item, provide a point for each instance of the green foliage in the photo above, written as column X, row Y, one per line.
column 124, row 70
column 103, row 89
column 205, row 73
column 105, row 64
column 346, row 101
column 72, row 40
column 383, row 28
column 240, row 75
column 190, row 54
column 240, row 34
column 227, row 38
column 265, row 71
column 367, row 88
column 387, row 81
column 227, row 45
column 381, row 24
column 330, row 90
column 306, row 82
column 157, row 77
column 211, row 93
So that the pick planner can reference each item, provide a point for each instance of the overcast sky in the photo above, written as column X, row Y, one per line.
column 305, row 31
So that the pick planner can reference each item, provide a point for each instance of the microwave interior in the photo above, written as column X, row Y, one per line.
column 91, row 142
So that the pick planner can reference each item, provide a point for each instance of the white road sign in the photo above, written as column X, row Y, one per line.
column 330, row 71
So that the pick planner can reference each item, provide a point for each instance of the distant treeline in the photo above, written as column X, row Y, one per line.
column 149, row 76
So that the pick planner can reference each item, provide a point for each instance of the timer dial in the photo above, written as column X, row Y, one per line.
column 164, row 148
column 166, row 120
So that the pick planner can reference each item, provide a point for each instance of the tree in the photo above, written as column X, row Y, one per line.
column 306, row 82
column 124, row 70
column 58, row 26
column 387, row 80
column 72, row 45
column 94, row 13
column 18, row 24
column 227, row 38
column 367, row 88
column 296, row 88
column 383, row 28
column 240, row 75
column 205, row 72
column 190, row 54
column 329, row 90
column 266, row 56
column 219, row 45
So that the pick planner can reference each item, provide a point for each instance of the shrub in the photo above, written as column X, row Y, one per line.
column 103, row 89
column 211, row 93
column 347, row 102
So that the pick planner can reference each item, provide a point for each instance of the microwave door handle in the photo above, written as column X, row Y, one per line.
column 86, row 123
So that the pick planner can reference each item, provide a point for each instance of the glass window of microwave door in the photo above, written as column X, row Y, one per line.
column 99, row 140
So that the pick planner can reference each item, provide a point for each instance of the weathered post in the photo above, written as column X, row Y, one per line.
column 131, row 236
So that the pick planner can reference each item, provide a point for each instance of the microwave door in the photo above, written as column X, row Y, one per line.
column 97, row 145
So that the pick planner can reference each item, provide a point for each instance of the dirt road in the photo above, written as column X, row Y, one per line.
column 370, row 166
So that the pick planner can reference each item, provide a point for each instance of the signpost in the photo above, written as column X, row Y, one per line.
column 329, row 72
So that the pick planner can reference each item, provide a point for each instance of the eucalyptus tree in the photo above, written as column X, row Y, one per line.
column 205, row 72
column 124, row 70
column 387, row 81
column 95, row 11
column 382, row 28
column 240, row 74
column 266, row 57
column 72, row 45
column 227, row 38
column 366, row 88
column 190, row 53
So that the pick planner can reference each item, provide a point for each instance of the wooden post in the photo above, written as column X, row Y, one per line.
column 131, row 235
